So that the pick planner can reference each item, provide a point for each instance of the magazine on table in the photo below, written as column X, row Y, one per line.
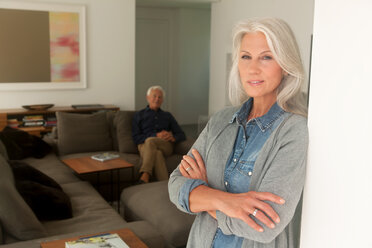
column 105, row 156
column 107, row 240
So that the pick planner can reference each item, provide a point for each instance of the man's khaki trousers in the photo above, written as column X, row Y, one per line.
column 152, row 153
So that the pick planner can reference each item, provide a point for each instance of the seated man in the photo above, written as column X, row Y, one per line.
column 155, row 132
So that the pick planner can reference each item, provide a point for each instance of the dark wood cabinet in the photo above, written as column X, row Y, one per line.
column 8, row 114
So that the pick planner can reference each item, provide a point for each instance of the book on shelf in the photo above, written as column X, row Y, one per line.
column 104, row 240
column 104, row 156
column 14, row 123
column 33, row 117
column 33, row 121
column 51, row 121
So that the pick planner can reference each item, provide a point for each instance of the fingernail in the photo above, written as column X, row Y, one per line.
column 277, row 220
column 272, row 225
column 260, row 230
column 282, row 201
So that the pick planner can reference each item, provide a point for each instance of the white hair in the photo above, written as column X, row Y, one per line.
column 156, row 87
column 283, row 45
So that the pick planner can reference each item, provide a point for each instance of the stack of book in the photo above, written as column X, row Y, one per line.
column 33, row 121
column 51, row 121
column 105, row 240
column 13, row 123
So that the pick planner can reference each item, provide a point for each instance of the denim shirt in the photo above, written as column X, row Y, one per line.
column 238, row 171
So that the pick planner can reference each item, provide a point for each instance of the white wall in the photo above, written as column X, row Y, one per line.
column 193, row 66
column 338, row 192
column 298, row 14
column 156, row 43
column 110, row 59
column 185, row 65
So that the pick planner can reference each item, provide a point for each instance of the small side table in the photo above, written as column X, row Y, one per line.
column 85, row 165
column 126, row 234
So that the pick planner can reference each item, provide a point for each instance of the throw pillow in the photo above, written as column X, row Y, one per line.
column 16, row 217
column 20, row 144
column 79, row 133
column 24, row 172
column 123, row 124
column 46, row 202
column 44, row 195
column 1, row 235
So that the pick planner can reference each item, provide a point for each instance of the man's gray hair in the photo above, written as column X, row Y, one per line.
column 156, row 87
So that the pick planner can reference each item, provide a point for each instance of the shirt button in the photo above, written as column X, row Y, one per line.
column 250, row 173
column 235, row 160
column 226, row 183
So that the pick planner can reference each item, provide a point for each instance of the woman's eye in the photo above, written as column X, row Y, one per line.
column 245, row 57
column 267, row 57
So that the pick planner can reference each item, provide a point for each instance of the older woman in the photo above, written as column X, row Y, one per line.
column 245, row 174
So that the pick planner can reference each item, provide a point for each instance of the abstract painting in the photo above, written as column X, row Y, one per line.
column 64, row 46
column 42, row 46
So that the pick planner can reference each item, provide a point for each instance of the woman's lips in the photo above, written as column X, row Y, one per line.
column 255, row 82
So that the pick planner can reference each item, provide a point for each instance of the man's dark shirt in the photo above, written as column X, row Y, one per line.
column 147, row 122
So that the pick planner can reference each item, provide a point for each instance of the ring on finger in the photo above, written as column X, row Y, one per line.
column 255, row 212
column 188, row 168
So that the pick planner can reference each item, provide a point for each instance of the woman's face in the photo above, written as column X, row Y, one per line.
column 259, row 73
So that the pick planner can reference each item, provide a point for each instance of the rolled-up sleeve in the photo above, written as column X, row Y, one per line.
column 183, row 198
column 180, row 187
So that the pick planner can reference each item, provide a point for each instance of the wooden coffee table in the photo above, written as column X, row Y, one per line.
column 86, row 165
column 126, row 234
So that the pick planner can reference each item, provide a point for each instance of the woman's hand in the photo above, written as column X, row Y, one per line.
column 243, row 205
column 193, row 168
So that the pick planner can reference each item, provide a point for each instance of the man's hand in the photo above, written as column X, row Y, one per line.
column 165, row 135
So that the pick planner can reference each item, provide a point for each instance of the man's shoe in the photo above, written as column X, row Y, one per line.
column 140, row 182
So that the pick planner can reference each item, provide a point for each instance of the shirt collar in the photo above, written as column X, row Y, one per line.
column 263, row 122
column 148, row 109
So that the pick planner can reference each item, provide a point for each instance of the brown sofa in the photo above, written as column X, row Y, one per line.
column 115, row 135
column 150, row 202
column 78, row 135
column 19, row 226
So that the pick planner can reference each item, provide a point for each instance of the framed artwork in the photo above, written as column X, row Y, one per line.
column 42, row 46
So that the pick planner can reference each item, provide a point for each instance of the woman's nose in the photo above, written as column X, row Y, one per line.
column 254, row 67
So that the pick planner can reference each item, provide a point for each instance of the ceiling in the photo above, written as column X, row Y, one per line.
column 176, row 3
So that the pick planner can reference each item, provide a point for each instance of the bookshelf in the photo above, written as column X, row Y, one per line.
column 19, row 113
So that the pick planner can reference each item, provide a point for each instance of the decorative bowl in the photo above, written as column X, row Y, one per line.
column 38, row 106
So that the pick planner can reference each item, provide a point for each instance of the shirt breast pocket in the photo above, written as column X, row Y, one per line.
column 245, row 167
column 241, row 177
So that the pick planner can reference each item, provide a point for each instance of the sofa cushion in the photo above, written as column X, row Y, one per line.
column 16, row 217
column 20, row 144
column 123, row 124
column 1, row 235
column 3, row 151
column 44, row 195
column 82, row 133
column 141, row 200
column 110, row 118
